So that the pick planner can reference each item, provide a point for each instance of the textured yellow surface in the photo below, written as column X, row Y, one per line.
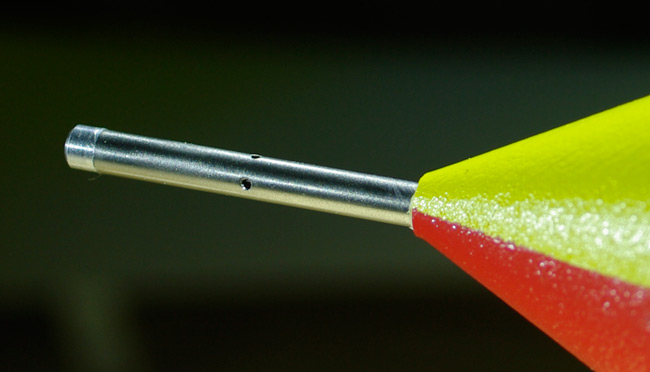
column 579, row 193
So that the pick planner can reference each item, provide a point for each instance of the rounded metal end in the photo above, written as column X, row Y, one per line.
column 80, row 147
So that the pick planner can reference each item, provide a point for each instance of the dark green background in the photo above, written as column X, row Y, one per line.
column 100, row 273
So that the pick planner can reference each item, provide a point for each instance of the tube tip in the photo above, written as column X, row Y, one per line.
column 80, row 147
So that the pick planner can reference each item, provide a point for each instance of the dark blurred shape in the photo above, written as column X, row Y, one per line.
column 29, row 339
column 448, row 333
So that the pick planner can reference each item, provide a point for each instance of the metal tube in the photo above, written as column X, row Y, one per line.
column 245, row 175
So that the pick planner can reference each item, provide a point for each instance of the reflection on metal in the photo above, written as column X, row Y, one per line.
column 245, row 175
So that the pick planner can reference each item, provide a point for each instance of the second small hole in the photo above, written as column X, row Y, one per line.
column 245, row 183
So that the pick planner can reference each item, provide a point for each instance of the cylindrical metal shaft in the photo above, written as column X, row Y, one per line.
column 245, row 175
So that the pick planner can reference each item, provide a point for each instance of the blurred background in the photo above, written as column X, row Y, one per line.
column 106, row 274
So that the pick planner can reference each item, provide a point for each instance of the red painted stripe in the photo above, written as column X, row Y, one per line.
column 603, row 321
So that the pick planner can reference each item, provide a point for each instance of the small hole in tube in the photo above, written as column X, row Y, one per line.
column 255, row 156
column 245, row 183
